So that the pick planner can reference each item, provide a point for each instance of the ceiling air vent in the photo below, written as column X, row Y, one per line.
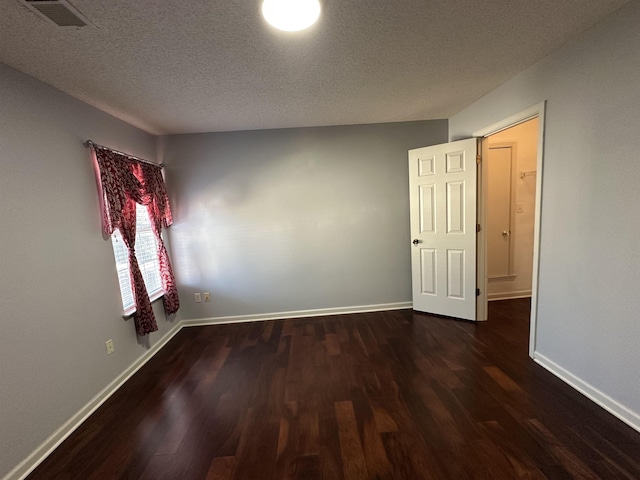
column 59, row 12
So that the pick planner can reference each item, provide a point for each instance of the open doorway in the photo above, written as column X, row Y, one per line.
column 532, row 182
column 510, row 171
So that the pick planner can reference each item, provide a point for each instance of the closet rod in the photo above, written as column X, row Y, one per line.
column 90, row 143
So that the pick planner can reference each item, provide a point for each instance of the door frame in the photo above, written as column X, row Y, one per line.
column 534, row 111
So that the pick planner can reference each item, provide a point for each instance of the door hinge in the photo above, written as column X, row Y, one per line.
column 478, row 159
column 478, row 228
column 477, row 292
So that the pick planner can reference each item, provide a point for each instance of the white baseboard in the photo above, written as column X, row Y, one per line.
column 298, row 314
column 612, row 406
column 509, row 295
column 24, row 468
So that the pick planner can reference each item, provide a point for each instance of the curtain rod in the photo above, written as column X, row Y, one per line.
column 90, row 143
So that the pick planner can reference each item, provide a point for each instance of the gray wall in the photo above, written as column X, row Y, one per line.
column 294, row 219
column 59, row 294
column 589, row 255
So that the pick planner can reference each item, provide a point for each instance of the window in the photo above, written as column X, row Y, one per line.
column 147, row 255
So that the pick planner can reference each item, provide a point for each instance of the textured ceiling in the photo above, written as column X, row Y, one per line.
column 175, row 66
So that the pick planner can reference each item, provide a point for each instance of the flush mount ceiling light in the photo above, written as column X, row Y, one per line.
column 291, row 15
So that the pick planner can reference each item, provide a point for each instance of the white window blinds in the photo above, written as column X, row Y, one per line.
column 147, row 255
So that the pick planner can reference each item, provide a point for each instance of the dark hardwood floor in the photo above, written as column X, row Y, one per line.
column 390, row 395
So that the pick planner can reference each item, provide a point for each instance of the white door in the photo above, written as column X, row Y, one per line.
column 442, row 183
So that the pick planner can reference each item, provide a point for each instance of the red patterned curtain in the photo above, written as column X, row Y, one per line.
column 160, row 215
column 123, row 183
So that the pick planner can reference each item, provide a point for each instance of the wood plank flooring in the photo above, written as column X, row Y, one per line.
column 388, row 395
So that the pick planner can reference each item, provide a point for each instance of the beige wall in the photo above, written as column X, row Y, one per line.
column 524, row 138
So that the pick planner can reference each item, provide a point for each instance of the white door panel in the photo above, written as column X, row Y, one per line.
column 442, row 181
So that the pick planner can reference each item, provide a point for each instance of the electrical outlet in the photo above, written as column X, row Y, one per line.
column 207, row 296
column 197, row 297
column 110, row 347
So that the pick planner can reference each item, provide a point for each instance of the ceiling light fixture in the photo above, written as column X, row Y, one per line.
column 291, row 15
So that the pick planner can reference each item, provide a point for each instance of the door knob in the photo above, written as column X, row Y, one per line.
column 415, row 241
column 506, row 233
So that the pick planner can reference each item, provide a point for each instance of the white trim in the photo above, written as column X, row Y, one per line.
column 537, row 110
column 509, row 295
column 298, row 314
column 24, row 468
column 482, row 286
column 502, row 278
column 612, row 406
column 157, row 295
column 512, row 121
column 35, row 458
